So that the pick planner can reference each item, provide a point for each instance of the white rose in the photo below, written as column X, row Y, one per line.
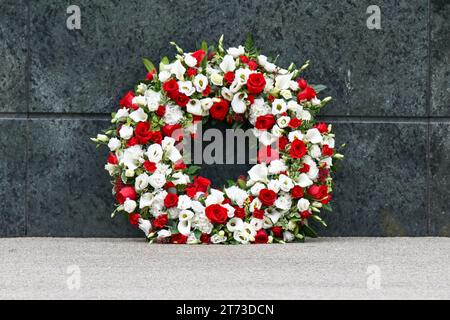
column 157, row 180
column 114, row 144
column 154, row 153
column 129, row 205
column 129, row 173
column 287, row 94
column 216, row 79
column 303, row 204
column 126, row 132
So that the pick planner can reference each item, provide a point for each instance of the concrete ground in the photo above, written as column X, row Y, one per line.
column 327, row 268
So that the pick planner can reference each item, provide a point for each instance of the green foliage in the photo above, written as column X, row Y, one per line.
column 148, row 65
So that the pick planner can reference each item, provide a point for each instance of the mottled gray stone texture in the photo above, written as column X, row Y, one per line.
column 69, row 192
column 13, row 53
column 440, row 57
column 440, row 182
column 391, row 93
column 13, row 166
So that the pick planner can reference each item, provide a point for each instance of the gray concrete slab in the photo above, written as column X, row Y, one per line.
column 327, row 268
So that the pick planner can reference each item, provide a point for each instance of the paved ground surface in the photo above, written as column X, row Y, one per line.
column 328, row 268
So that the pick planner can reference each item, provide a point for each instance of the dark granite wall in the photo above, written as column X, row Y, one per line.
column 391, row 94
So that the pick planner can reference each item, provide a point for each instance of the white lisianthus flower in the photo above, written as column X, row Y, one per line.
column 197, row 206
column 237, row 195
column 293, row 106
column 126, row 132
column 293, row 86
column 200, row 82
column 284, row 202
column 173, row 114
column 154, row 153
column 129, row 205
column 278, row 106
column 235, row 224
column 274, row 215
column 132, row 156
column 184, row 202
column 329, row 141
column 145, row 226
column 122, row 114
column 139, row 100
column 297, row 134
column 258, row 173
column 238, row 104
column 228, row 64
column 217, row 238
column 277, row 131
column 190, row 60
column 304, row 181
column 230, row 210
column 288, row 236
column 267, row 223
column 227, row 94
column 286, row 183
column 215, row 197
column 174, row 154
column 241, row 75
column 178, row 70
column 163, row 76
column 328, row 161
column 139, row 115
column 249, row 230
column 274, row 185
column 163, row 168
column 184, row 227
column 283, row 121
column 270, row 67
column 315, row 101
column 241, row 237
column 303, row 204
column 146, row 200
column 186, row 87
column 262, row 60
column 206, row 103
column 257, row 223
column 236, row 86
column 141, row 182
column 217, row 79
column 114, row 144
column 256, row 204
column 163, row 233
column 180, row 178
column 314, row 136
column 111, row 168
column 236, row 52
column 315, row 151
column 306, row 116
column 269, row 85
column 194, row 106
column 129, row 173
column 266, row 138
column 257, row 187
column 141, row 88
column 185, row 215
column 283, row 82
column 157, row 180
column 277, row 166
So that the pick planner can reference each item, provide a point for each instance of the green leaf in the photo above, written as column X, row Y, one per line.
column 191, row 170
column 249, row 44
column 148, row 65
column 309, row 232
column 164, row 61
column 205, row 58
column 318, row 87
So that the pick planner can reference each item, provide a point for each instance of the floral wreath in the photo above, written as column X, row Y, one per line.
column 283, row 192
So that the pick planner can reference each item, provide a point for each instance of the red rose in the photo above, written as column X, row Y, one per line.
column 179, row 238
column 267, row 197
column 271, row 98
column 191, row 72
column 127, row 100
column 307, row 94
column 171, row 200
column 267, row 155
column 134, row 218
column 327, row 151
column 229, row 77
column 169, row 184
column 302, row 83
column 156, row 137
column 305, row 214
column 171, row 87
column 201, row 183
column 258, row 214
column 298, row 149
column 219, row 110
column 305, row 168
column 239, row 212
column 205, row 238
column 282, row 143
column 149, row 166
column 160, row 221
column 198, row 55
column 112, row 159
column 244, row 59
column 277, row 231
column 173, row 130
column 126, row 193
column 191, row 191
column 118, row 185
column 322, row 127
column 261, row 237
column 161, row 111
column 318, row 192
column 216, row 214
column 132, row 142
column 252, row 65
column 326, row 200
column 182, row 100
column 323, row 174
column 179, row 165
column 297, row 192
column 265, row 122
column 251, row 99
column 294, row 123
column 207, row 91
column 256, row 83
column 143, row 132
